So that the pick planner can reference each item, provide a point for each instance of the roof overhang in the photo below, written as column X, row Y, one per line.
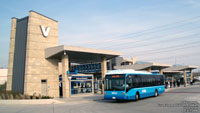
column 180, row 68
column 79, row 54
column 172, row 72
column 156, row 66
column 146, row 66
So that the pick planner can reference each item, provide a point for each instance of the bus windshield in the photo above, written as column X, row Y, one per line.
column 115, row 82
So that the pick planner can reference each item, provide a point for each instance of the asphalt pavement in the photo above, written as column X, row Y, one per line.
column 179, row 100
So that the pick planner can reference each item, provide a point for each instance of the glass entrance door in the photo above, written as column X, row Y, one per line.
column 80, row 87
column 81, row 83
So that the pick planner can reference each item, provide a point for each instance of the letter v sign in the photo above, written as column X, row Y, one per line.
column 45, row 32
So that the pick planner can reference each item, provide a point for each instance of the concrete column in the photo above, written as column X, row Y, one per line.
column 92, row 84
column 160, row 71
column 103, row 71
column 149, row 69
column 172, row 81
column 11, row 54
column 191, row 75
column 185, row 78
column 66, row 82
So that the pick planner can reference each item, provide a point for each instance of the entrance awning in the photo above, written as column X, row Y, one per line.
column 79, row 54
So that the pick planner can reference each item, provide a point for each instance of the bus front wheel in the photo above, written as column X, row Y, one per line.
column 137, row 96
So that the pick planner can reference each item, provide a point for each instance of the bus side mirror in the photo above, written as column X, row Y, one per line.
column 103, row 81
column 127, row 86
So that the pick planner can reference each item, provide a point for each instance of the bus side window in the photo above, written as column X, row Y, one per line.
column 134, row 81
column 151, row 80
column 148, row 80
column 158, row 80
column 138, row 81
column 162, row 80
column 154, row 80
column 129, row 81
column 143, row 80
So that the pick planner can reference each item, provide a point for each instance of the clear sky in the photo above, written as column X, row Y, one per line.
column 163, row 31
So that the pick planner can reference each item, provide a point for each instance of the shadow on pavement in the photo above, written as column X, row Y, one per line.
column 100, row 99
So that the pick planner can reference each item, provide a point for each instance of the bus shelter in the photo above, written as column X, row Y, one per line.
column 185, row 70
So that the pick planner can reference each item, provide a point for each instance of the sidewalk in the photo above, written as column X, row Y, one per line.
column 77, row 99
column 182, row 86
column 195, row 98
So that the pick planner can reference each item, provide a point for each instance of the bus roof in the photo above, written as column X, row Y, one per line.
column 126, row 71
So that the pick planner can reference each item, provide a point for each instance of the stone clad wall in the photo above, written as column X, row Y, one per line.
column 37, row 67
column 11, row 54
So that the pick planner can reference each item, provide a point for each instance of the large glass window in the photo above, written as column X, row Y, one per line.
column 114, row 83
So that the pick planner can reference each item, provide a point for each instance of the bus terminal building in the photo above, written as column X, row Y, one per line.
column 38, row 65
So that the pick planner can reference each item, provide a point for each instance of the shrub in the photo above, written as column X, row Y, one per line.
column 17, row 95
column 47, row 97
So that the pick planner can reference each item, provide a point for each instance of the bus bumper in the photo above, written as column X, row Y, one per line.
column 117, row 95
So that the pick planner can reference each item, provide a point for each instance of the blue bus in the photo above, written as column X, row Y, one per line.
column 132, row 85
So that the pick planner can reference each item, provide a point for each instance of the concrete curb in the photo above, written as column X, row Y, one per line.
column 189, row 86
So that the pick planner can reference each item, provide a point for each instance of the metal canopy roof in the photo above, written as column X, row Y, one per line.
column 172, row 72
column 180, row 68
column 156, row 66
column 79, row 54
column 153, row 66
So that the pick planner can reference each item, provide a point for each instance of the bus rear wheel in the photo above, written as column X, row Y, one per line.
column 156, row 93
column 137, row 96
